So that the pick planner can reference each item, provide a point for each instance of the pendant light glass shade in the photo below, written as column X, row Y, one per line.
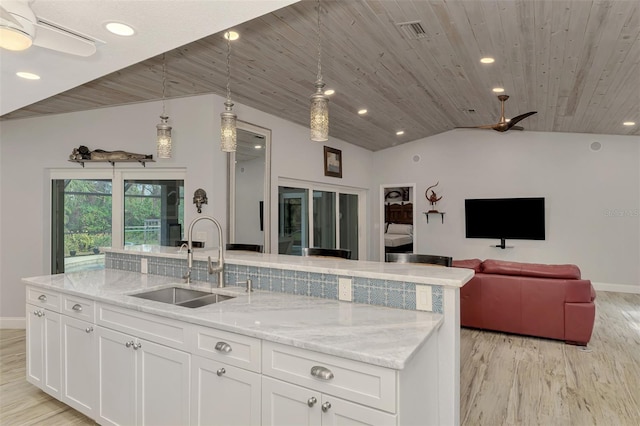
column 228, row 137
column 319, row 111
column 164, row 138
column 319, row 114
column 163, row 129
column 228, row 128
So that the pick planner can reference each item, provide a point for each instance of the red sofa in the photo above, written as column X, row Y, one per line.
column 550, row 301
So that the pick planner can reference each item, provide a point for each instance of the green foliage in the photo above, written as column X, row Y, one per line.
column 87, row 213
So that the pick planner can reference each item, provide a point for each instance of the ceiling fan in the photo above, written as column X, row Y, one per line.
column 20, row 28
column 504, row 124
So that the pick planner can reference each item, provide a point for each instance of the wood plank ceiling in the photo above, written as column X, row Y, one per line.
column 575, row 62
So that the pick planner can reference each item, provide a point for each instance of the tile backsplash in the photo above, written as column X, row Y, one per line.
column 390, row 293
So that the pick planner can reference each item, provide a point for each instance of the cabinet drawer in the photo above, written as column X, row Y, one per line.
column 230, row 348
column 151, row 327
column 43, row 298
column 366, row 384
column 78, row 307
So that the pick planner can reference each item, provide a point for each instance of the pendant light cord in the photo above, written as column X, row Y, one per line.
column 228, row 67
column 164, row 83
column 319, row 46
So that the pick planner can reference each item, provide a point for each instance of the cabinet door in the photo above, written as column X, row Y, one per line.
column 79, row 365
column 117, row 378
column 224, row 395
column 338, row 412
column 35, row 345
column 43, row 349
column 164, row 379
column 284, row 404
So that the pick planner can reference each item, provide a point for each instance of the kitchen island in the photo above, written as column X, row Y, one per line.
column 375, row 364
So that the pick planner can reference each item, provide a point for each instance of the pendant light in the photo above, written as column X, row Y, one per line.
column 319, row 101
column 164, row 130
column 228, row 118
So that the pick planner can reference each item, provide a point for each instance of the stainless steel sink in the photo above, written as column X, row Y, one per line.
column 183, row 297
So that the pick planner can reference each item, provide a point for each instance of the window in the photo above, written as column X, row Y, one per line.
column 95, row 208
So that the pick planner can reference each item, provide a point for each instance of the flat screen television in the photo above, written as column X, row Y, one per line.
column 505, row 218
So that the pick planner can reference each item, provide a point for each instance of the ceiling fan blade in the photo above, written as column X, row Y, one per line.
column 486, row 126
column 4, row 14
column 516, row 128
column 518, row 118
column 56, row 38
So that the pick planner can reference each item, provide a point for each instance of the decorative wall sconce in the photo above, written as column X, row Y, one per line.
column 200, row 198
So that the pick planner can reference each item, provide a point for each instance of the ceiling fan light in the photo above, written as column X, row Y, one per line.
column 14, row 39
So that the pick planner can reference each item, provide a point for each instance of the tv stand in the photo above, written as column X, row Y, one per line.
column 503, row 244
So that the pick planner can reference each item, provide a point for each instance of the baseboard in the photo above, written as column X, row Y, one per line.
column 6, row 323
column 618, row 288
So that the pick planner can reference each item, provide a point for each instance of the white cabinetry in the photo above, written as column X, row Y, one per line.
column 79, row 354
column 225, row 379
column 43, row 340
column 43, row 349
column 312, row 388
column 141, row 382
column 224, row 395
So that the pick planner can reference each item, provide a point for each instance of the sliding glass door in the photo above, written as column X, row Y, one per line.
column 112, row 208
column 330, row 213
column 81, row 223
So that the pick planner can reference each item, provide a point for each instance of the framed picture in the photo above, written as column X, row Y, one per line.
column 332, row 162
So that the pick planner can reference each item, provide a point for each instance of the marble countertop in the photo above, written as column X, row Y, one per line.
column 417, row 273
column 377, row 335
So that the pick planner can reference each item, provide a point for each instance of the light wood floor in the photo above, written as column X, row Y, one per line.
column 514, row 380
column 505, row 379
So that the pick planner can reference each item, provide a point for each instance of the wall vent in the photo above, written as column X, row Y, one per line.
column 412, row 30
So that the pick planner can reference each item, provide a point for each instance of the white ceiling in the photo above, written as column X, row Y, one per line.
column 160, row 25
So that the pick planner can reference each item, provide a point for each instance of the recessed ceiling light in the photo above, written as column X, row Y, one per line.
column 487, row 60
column 400, row 132
column 498, row 89
column 329, row 92
column 231, row 35
column 629, row 123
column 258, row 147
column 118, row 28
column 362, row 111
column 28, row 75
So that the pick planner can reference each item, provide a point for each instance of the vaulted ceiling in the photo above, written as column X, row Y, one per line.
column 577, row 63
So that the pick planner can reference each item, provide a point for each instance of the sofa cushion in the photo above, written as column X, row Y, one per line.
column 503, row 267
column 475, row 264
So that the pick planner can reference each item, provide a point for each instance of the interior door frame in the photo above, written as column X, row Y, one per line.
column 382, row 213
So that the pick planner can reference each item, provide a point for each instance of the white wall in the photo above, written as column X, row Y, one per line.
column 249, row 192
column 29, row 147
column 592, row 198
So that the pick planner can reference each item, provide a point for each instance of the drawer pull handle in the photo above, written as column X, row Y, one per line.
column 129, row 344
column 223, row 347
column 88, row 329
column 326, row 406
column 312, row 401
column 42, row 298
column 77, row 307
column 322, row 373
column 137, row 346
column 221, row 371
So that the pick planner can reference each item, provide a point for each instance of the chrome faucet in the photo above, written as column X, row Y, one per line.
column 217, row 268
